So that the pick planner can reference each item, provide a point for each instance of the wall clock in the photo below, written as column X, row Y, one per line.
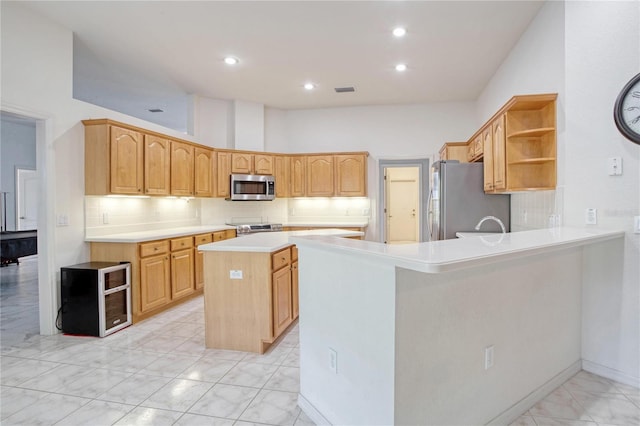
column 626, row 112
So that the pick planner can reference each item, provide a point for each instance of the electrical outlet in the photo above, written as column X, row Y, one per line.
column 105, row 218
column 62, row 220
column 636, row 224
column 591, row 216
column 488, row 357
column 235, row 274
column 333, row 361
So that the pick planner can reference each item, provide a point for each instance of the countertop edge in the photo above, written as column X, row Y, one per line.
column 131, row 237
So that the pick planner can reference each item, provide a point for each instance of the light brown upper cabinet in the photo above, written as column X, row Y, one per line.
column 245, row 163
column 487, row 148
column 156, row 165
column 499, row 171
column 298, row 176
column 530, row 142
column 181, row 169
column 454, row 151
column 223, row 185
column 520, row 145
column 351, row 175
column 475, row 149
column 281, row 166
column 114, row 159
column 320, row 176
column 241, row 163
column 204, row 170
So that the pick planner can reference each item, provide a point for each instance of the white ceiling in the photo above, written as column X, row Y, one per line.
column 150, row 54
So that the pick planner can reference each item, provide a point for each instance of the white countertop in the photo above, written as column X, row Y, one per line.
column 327, row 224
column 273, row 241
column 157, row 234
column 459, row 253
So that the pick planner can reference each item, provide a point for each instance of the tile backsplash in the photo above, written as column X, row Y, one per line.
column 112, row 215
column 536, row 209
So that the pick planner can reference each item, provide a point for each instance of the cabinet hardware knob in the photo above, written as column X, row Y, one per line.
column 155, row 248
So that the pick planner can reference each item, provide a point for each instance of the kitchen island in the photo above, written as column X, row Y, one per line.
column 466, row 331
column 251, row 288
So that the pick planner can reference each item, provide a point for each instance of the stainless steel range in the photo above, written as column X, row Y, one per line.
column 246, row 229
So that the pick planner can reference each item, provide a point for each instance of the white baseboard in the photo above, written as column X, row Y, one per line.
column 521, row 407
column 610, row 373
column 311, row 411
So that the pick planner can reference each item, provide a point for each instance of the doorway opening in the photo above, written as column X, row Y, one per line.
column 403, row 186
column 36, row 199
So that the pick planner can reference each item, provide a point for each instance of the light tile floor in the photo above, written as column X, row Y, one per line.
column 159, row 372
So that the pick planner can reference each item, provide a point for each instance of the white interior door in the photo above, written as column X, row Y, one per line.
column 26, row 199
column 403, row 207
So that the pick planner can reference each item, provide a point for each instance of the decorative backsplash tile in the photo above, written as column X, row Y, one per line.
column 536, row 209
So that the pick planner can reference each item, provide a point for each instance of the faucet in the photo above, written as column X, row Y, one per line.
column 495, row 219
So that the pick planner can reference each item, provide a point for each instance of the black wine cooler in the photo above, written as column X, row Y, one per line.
column 96, row 298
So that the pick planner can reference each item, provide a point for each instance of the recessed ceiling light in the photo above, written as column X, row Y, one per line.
column 230, row 60
column 309, row 86
column 399, row 32
column 401, row 67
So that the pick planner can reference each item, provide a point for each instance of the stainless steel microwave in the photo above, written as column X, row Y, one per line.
column 252, row 188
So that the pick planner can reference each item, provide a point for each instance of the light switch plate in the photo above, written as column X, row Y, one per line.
column 615, row 166
column 235, row 274
column 636, row 224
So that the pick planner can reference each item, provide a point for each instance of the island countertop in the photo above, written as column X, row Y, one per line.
column 273, row 241
column 449, row 255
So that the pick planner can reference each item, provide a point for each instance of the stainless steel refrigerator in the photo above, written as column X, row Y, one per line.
column 457, row 201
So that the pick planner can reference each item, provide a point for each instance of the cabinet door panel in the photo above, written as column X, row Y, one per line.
column 320, row 176
column 127, row 167
column 263, row 164
column 295, row 310
column 156, row 165
column 351, row 175
column 181, row 169
column 499, row 160
column 298, row 177
column 281, row 172
column 204, row 172
column 241, row 163
column 182, row 282
column 223, row 186
column 154, row 282
column 487, row 142
column 281, row 300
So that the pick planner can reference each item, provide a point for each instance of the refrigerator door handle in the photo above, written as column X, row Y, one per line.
column 430, row 214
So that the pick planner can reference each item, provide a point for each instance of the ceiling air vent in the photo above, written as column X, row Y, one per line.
column 345, row 89
column 155, row 110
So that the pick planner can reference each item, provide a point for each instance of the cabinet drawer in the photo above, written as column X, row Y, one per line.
column 280, row 259
column 219, row 236
column 203, row 239
column 154, row 247
column 181, row 243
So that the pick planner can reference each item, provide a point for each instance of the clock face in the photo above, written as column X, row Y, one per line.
column 627, row 110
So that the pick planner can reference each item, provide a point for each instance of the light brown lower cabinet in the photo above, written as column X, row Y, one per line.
column 164, row 273
column 250, row 311
column 155, row 282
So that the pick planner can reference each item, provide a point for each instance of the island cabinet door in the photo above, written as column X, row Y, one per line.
column 294, row 291
column 281, row 300
column 182, row 281
column 154, row 282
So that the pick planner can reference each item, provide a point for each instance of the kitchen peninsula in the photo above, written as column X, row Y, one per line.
column 251, row 288
column 463, row 331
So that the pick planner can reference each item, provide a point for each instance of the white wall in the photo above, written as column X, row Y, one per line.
column 535, row 65
column 602, row 54
column 36, row 80
column 17, row 149
column 586, row 52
